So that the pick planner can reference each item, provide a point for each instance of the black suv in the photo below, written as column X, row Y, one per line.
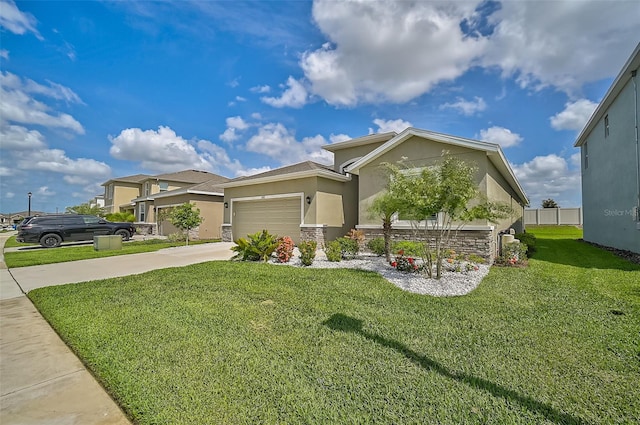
column 51, row 230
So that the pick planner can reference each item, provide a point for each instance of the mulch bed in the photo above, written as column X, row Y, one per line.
column 627, row 255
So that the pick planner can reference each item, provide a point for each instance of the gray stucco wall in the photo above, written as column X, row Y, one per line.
column 609, row 182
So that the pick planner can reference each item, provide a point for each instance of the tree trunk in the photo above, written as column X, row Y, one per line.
column 386, row 232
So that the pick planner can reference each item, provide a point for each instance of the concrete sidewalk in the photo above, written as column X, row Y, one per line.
column 41, row 380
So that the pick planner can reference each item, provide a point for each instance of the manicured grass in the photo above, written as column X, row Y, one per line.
column 226, row 342
column 37, row 256
column 556, row 232
column 12, row 243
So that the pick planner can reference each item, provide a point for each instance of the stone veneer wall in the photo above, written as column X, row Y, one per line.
column 226, row 233
column 318, row 234
column 479, row 242
column 146, row 228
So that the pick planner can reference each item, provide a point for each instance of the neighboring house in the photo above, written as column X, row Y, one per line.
column 610, row 155
column 97, row 201
column 312, row 201
column 146, row 196
column 12, row 219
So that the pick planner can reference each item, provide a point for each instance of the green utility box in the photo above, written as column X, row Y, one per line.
column 107, row 242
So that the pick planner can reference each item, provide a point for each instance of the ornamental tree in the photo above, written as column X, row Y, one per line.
column 185, row 217
column 435, row 199
column 86, row 208
column 384, row 206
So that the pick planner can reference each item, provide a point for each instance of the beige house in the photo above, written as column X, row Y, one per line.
column 312, row 201
column 148, row 196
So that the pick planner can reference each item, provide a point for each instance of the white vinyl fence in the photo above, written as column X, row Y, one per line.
column 553, row 216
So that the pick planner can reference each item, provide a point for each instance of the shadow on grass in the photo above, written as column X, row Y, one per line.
column 572, row 252
column 340, row 322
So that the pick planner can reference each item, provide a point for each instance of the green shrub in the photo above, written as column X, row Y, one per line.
column 474, row 258
column 177, row 237
column 284, row 251
column 513, row 254
column 410, row 248
column 258, row 246
column 333, row 250
column 376, row 246
column 528, row 239
column 307, row 252
column 349, row 248
column 121, row 217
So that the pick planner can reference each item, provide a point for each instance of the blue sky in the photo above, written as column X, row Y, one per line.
column 97, row 90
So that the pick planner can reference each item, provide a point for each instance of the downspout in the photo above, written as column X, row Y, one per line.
column 635, row 117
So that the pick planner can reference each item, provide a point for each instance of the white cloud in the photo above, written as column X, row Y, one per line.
column 4, row 54
column 466, row 107
column 549, row 177
column 158, row 151
column 45, row 191
column 17, row 105
column 386, row 126
column 18, row 138
column 260, row 89
column 219, row 158
column 574, row 116
column 233, row 124
column 295, row 96
column 538, row 42
column 337, row 138
column 252, row 171
column 16, row 21
column 276, row 141
column 56, row 160
column 256, row 116
column 500, row 135
column 9, row 195
column 240, row 99
column 397, row 51
column 388, row 51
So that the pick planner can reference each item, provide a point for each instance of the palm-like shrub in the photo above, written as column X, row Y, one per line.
column 258, row 246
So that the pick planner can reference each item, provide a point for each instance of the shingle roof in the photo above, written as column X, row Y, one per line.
column 289, row 169
column 137, row 178
column 189, row 176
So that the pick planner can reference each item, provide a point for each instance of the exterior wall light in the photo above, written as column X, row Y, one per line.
column 226, row 205
column 308, row 199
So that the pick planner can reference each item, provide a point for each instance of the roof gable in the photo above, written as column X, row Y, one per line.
column 493, row 151
column 618, row 84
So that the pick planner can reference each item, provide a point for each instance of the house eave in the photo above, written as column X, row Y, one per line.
column 616, row 87
column 360, row 141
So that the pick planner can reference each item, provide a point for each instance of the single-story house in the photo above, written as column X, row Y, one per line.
column 610, row 165
column 310, row 201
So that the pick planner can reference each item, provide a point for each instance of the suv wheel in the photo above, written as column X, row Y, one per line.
column 123, row 234
column 50, row 240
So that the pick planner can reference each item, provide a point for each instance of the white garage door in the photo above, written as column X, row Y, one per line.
column 280, row 216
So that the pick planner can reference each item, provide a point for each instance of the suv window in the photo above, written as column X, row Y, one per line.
column 91, row 219
column 45, row 220
column 72, row 220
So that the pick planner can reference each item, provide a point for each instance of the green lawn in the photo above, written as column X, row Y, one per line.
column 236, row 343
column 35, row 255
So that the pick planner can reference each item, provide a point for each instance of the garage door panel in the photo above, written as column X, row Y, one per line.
column 279, row 216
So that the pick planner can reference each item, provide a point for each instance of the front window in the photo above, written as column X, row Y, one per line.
column 110, row 191
column 147, row 189
column 164, row 186
column 142, row 211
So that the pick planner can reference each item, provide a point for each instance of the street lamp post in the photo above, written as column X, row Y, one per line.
column 29, row 194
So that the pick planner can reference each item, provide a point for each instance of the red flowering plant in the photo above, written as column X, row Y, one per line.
column 284, row 251
column 405, row 264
